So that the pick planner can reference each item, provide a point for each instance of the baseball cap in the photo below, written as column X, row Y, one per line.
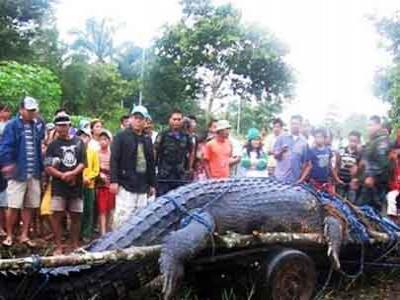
column 62, row 119
column 29, row 103
column 85, row 130
column 222, row 124
column 253, row 134
column 140, row 109
column 107, row 133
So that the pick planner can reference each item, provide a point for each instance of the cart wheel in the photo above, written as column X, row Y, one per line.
column 291, row 274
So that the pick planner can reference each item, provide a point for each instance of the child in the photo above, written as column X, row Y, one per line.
column 320, row 168
column 105, row 199
column 347, row 164
column 90, row 174
column 254, row 159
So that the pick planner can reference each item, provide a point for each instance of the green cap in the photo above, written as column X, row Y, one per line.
column 253, row 134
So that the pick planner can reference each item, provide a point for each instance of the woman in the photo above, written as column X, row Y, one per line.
column 254, row 159
column 96, row 127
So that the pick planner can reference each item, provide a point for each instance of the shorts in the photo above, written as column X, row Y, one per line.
column 126, row 204
column 3, row 199
column 23, row 194
column 105, row 200
column 59, row 204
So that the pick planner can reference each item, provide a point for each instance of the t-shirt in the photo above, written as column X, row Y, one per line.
column 30, row 149
column 321, row 163
column 69, row 154
column 141, row 164
column 347, row 160
column 217, row 154
column 253, row 164
column 289, row 167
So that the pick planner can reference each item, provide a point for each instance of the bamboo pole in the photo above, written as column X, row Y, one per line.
column 84, row 258
column 228, row 241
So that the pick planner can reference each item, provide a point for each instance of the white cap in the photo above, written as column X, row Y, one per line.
column 222, row 124
column 29, row 103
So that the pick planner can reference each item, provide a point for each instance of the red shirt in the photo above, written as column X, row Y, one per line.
column 218, row 154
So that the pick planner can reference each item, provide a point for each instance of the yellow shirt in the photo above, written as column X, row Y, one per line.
column 92, row 169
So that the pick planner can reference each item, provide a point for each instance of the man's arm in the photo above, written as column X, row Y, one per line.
column 206, row 160
column 8, row 150
column 279, row 149
column 152, row 169
column 114, row 163
column 307, row 167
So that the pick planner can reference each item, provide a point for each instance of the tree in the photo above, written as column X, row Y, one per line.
column 74, row 83
column 20, row 24
column 220, row 57
column 256, row 114
column 104, row 92
column 96, row 40
column 18, row 80
column 387, row 80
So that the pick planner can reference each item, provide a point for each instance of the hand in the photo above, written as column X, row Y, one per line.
column 152, row 191
column 8, row 170
column 68, row 176
column 341, row 182
column 86, row 181
column 369, row 182
column 114, row 187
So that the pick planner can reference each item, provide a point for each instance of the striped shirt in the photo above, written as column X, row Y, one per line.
column 30, row 150
column 348, row 160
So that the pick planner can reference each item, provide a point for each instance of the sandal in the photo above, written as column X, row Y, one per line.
column 29, row 243
column 8, row 242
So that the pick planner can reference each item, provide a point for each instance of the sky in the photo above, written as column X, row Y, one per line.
column 333, row 45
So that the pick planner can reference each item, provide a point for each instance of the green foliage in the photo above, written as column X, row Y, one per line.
column 217, row 56
column 18, row 80
column 105, row 91
column 258, row 115
column 20, row 24
column 387, row 80
column 96, row 40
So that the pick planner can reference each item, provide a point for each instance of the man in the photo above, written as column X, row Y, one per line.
column 65, row 161
column 132, row 177
column 277, row 129
column 21, row 161
column 291, row 153
column 218, row 152
column 4, row 118
column 149, row 129
column 124, row 122
column 376, row 165
column 320, row 171
column 174, row 154
column 347, row 162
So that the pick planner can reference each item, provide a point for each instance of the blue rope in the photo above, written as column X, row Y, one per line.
column 196, row 214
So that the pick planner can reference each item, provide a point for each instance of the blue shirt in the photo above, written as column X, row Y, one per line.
column 290, row 166
column 321, row 164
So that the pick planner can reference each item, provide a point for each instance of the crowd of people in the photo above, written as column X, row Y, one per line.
column 56, row 179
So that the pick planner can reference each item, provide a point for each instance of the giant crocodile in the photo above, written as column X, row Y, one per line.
column 237, row 204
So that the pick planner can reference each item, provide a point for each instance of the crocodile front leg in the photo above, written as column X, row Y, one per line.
column 180, row 246
column 333, row 233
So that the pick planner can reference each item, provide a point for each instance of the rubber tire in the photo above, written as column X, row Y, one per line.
column 291, row 275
